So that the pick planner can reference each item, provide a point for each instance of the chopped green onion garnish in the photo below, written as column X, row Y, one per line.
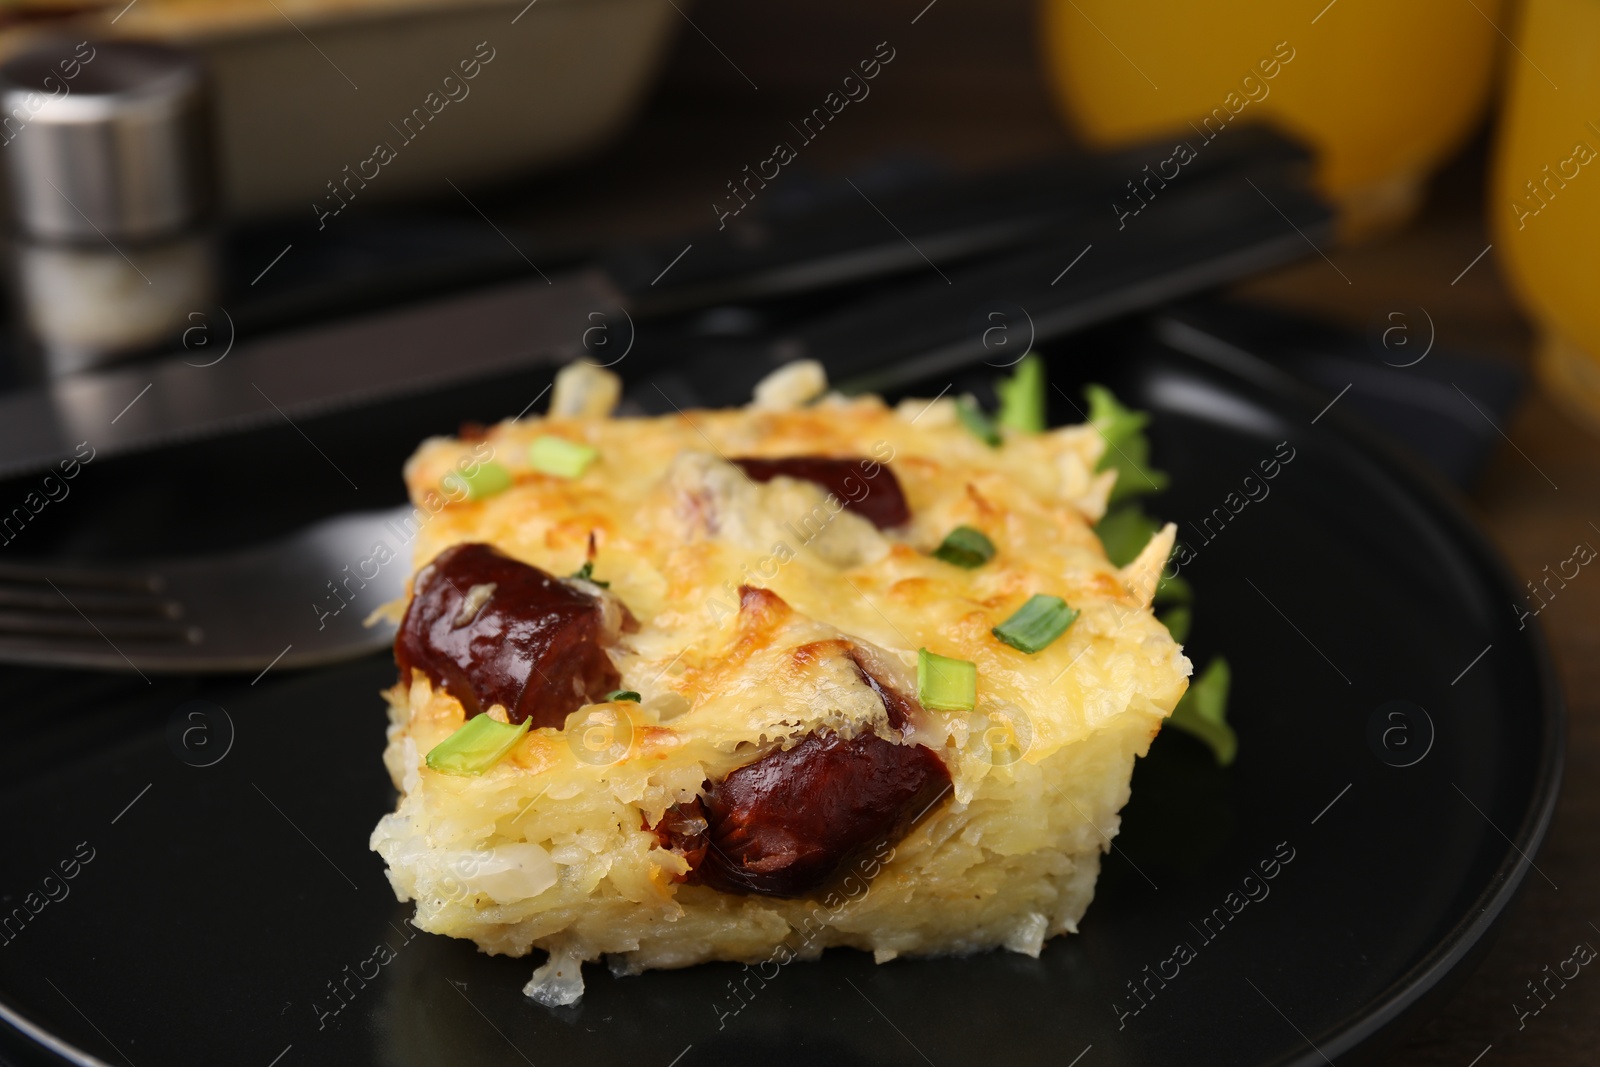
column 965, row 547
column 1203, row 711
column 946, row 684
column 1124, row 531
column 974, row 418
column 1022, row 396
column 1037, row 623
column 586, row 572
column 623, row 694
column 1177, row 621
column 488, row 479
column 475, row 747
column 1127, row 448
column 560, row 457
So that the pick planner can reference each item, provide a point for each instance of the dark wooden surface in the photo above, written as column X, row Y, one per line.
column 965, row 90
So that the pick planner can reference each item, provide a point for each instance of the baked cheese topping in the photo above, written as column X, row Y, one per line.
column 677, row 529
column 774, row 630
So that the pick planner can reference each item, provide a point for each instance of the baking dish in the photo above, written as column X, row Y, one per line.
column 307, row 88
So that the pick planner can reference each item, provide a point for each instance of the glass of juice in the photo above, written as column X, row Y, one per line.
column 1544, row 199
column 1382, row 90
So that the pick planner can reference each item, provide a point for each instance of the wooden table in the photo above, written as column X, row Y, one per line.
column 965, row 89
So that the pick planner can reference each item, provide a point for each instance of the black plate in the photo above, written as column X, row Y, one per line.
column 231, row 889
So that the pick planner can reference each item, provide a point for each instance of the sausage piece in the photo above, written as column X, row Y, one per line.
column 493, row 630
column 793, row 821
column 865, row 486
column 790, row 822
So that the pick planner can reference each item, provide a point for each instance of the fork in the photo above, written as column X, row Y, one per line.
column 297, row 602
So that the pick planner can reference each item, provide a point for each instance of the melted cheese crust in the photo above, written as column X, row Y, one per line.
column 677, row 530
column 549, row 848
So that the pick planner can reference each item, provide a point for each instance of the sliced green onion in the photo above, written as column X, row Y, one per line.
column 488, row 479
column 1203, row 711
column 1127, row 448
column 975, row 419
column 623, row 694
column 965, row 547
column 946, row 684
column 1037, row 623
column 475, row 747
column 586, row 572
column 560, row 457
column 1177, row 621
column 1022, row 396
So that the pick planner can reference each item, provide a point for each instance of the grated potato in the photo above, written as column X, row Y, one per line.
column 549, row 849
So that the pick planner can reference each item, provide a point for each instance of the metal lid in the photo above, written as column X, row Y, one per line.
column 104, row 139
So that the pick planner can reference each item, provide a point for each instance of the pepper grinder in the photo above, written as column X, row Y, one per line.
column 107, row 157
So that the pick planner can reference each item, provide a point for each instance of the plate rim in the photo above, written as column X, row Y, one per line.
column 1384, row 1018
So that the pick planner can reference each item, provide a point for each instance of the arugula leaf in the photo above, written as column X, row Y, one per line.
column 1022, row 396
column 1127, row 448
column 1203, row 711
column 975, row 419
column 1173, row 590
column 1124, row 532
column 1177, row 621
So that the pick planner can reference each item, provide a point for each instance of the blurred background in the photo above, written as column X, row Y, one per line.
column 1424, row 228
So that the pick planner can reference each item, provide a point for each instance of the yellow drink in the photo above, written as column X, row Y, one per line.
column 1544, row 203
column 1383, row 89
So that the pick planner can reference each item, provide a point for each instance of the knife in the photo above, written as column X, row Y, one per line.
column 1225, row 218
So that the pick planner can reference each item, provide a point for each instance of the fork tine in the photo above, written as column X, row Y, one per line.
column 37, row 598
column 82, row 578
column 21, row 624
column 236, row 611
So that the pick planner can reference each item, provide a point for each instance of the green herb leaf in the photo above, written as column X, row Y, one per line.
column 560, row 457
column 965, row 547
column 1174, row 590
column 1022, row 396
column 1127, row 448
column 1124, row 531
column 623, row 694
column 1177, row 621
column 975, row 419
column 586, row 572
column 487, row 479
column 476, row 746
column 1203, row 711
column 946, row 684
column 1036, row 624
